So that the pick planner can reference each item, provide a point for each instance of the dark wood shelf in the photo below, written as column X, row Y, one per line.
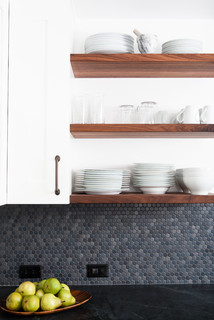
column 142, row 198
column 109, row 131
column 143, row 65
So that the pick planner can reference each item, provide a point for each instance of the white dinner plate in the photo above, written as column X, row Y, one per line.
column 182, row 50
column 102, row 193
column 109, row 47
column 110, row 35
column 110, row 51
column 183, row 41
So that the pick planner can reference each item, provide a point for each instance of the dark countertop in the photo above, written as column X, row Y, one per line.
column 163, row 302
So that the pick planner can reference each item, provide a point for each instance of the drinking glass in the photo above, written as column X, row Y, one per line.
column 96, row 109
column 145, row 112
column 79, row 109
column 126, row 113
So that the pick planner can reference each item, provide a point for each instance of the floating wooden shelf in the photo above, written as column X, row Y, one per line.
column 108, row 131
column 142, row 65
column 142, row 198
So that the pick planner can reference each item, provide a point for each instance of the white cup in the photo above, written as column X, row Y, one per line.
column 207, row 114
column 189, row 114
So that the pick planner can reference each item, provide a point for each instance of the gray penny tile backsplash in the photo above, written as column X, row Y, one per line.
column 141, row 243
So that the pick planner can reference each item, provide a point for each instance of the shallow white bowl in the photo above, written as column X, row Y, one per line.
column 154, row 190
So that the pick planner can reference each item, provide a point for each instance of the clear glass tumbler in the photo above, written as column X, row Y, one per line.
column 146, row 111
column 79, row 109
column 96, row 108
column 126, row 113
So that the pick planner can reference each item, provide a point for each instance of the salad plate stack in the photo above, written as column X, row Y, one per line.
column 102, row 181
column 153, row 178
column 109, row 43
column 182, row 46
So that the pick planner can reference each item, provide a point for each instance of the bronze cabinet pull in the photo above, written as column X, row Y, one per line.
column 57, row 190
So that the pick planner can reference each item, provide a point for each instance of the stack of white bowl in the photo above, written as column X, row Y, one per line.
column 109, row 43
column 182, row 46
column 195, row 180
column 102, row 181
column 153, row 178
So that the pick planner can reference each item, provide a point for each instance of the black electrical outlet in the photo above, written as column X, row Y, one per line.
column 97, row 270
column 30, row 271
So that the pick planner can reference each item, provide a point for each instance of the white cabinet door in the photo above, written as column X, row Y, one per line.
column 39, row 69
column 3, row 98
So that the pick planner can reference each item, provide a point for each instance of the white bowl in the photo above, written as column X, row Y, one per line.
column 199, row 184
column 180, row 181
column 154, row 190
column 196, row 171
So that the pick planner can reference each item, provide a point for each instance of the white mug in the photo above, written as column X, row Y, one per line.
column 189, row 114
column 207, row 114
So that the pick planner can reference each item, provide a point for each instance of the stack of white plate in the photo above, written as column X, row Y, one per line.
column 182, row 46
column 109, row 43
column 153, row 178
column 102, row 181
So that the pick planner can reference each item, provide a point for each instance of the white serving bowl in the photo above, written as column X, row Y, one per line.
column 180, row 181
column 200, row 185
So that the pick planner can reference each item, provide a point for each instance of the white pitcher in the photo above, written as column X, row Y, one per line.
column 189, row 114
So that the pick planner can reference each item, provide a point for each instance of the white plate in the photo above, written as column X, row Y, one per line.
column 101, row 171
column 103, row 189
column 183, row 41
column 105, row 40
column 152, row 180
column 102, row 193
column 182, row 51
column 110, row 51
column 111, row 35
column 104, row 179
column 152, row 171
column 98, row 186
column 145, row 164
column 181, row 46
column 109, row 47
column 109, row 43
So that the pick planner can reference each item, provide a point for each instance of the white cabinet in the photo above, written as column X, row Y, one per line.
column 3, row 98
column 38, row 101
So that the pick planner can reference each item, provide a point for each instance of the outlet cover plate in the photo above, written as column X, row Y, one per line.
column 97, row 270
column 30, row 271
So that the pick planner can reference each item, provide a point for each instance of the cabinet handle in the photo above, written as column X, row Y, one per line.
column 57, row 190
